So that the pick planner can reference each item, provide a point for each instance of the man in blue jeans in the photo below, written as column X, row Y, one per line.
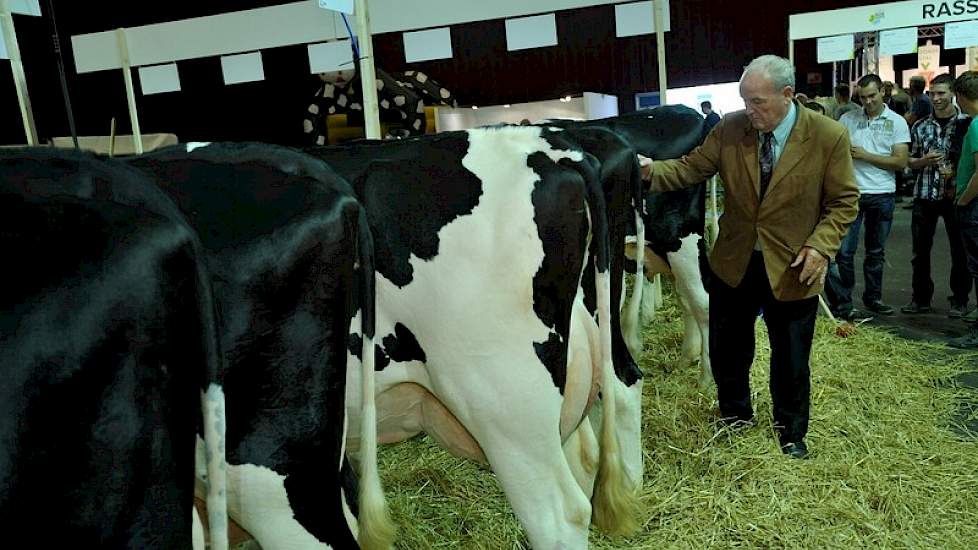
column 880, row 142
column 966, row 209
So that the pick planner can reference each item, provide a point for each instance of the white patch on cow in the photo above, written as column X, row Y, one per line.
column 314, row 109
column 258, row 502
column 380, row 84
column 422, row 78
column 444, row 93
column 306, row 126
column 191, row 145
column 328, row 90
column 555, row 129
column 399, row 100
column 321, row 140
column 385, row 104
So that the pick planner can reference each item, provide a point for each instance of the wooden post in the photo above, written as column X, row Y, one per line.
column 660, row 48
column 368, row 76
column 17, row 68
column 137, row 136
column 660, row 51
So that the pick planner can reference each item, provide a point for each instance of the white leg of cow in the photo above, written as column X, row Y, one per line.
column 649, row 306
column 537, row 480
column 689, row 287
column 692, row 342
column 631, row 323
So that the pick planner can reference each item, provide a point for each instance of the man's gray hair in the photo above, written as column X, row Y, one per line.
column 778, row 69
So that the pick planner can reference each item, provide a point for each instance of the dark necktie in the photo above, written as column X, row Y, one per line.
column 767, row 161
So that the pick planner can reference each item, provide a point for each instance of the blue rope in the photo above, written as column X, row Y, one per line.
column 353, row 39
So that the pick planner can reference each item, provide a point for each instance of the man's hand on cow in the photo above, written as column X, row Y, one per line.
column 858, row 153
column 815, row 266
column 646, row 165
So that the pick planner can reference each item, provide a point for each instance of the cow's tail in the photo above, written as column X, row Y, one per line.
column 632, row 320
column 214, row 421
column 615, row 502
column 376, row 530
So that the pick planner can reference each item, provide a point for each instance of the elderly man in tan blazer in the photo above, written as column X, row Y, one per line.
column 789, row 196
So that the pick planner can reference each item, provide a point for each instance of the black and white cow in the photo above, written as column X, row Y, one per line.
column 485, row 341
column 291, row 258
column 107, row 333
column 673, row 225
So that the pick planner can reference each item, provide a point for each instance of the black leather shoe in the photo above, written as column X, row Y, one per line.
column 797, row 449
column 914, row 308
column 879, row 308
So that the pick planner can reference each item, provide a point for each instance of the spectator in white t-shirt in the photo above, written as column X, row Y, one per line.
column 880, row 141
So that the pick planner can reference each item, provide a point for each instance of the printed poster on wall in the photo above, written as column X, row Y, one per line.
column 836, row 48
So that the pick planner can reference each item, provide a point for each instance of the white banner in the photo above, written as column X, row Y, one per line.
column 836, row 48
column 25, row 7
column 159, row 79
column 880, row 17
column 345, row 6
column 428, row 45
column 245, row 67
column 898, row 41
column 637, row 18
column 928, row 57
column 960, row 35
column 531, row 32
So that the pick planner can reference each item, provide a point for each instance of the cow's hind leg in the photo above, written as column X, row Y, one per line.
column 529, row 463
column 695, row 302
column 581, row 450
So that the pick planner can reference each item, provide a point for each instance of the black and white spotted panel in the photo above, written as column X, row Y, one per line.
column 433, row 92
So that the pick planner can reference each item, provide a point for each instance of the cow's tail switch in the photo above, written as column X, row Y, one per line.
column 615, row 500
column 376, row 528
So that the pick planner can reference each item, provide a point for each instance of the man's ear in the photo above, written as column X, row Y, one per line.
column 788, row 92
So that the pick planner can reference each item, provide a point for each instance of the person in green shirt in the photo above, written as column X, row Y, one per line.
column 966, row 207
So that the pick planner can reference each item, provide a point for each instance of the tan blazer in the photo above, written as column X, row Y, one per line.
column 811, row 199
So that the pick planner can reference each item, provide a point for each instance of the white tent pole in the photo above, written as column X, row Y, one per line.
column 791, row 50
column 17, row 68
column 660, row 48
column 368, row 76
column 137, row 136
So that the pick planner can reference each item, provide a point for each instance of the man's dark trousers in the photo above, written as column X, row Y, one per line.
column 923, row 226
column 791, row 326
